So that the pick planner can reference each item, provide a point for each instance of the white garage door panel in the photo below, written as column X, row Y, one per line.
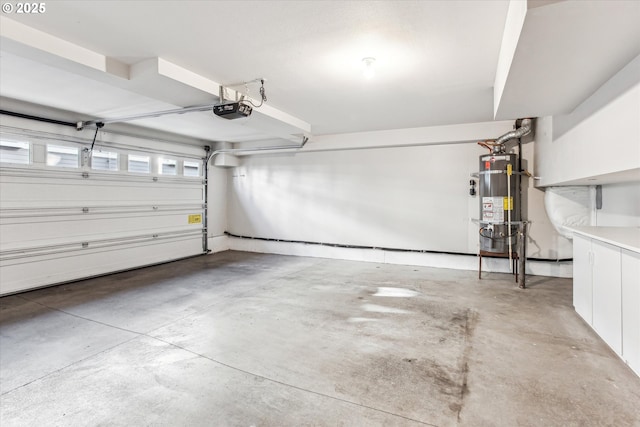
column 50, row 191
column 60, row 224
column 25, row 232
column 18, row 275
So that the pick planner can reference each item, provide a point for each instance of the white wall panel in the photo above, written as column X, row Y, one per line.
column 599, row 138
column 406, row 198
column 620, row 205
column 411, row 198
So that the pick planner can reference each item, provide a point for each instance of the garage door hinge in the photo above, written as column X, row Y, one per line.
column 85, row 174
column 85, row 244
column 85, row 210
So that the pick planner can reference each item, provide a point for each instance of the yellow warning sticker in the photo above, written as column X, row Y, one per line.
column 195, row 219
column 507, row 203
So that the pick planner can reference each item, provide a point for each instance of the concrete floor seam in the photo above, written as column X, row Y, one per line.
column 82, row 317
column 207, row 307
column 137, row 335
column 294, row 386
column 68, row 366
column 246, row 292
column 284, row 341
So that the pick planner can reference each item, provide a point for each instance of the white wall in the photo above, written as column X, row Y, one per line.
column 620, row 205
column 403, row 198
column 412, row 198
column 217, row 203
column 598, row 144
column 599, row 141
column 543, row 241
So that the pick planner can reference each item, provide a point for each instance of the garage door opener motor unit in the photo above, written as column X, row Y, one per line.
column 239, row 108
column 232, row 110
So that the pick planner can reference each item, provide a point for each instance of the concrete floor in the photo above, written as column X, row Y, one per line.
column 239, row 339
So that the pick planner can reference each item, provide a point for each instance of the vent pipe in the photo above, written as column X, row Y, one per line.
column 522, row 130
column 567, row 207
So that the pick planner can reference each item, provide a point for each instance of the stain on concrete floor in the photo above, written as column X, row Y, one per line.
column 243, row 339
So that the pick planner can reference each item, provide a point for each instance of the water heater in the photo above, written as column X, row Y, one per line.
column 499, row 202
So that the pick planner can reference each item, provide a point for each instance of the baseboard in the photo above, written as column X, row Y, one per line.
column 458, row 262
column 218, row 243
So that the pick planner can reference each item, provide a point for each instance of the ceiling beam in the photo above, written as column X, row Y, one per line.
column 155, row 78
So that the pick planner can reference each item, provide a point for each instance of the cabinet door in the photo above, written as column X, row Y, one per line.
column 582, row 292
column 607, row 294
column 631, row 309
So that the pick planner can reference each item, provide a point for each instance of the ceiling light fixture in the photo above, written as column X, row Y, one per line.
column 368, row 70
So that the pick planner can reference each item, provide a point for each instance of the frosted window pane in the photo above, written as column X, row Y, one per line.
column 139, row 164
column 104, row 160
column 16, row 152
column 61, row 156
column 168, row 167
column 191, row 168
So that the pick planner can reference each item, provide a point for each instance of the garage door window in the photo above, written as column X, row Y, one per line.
column 139, row 164
column 16, row 152
column 104, row 160
column 168, row 167
column 62, row 156
column 191, row 168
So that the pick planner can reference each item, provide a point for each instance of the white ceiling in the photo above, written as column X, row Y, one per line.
column 565, row 52
column 436, row 61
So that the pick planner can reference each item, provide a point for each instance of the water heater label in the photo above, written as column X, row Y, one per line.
column 493, row 210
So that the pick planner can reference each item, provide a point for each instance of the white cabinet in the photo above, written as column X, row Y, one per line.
column 582, row 278
column 607, row 294
column 606, row 286
column 631, row 309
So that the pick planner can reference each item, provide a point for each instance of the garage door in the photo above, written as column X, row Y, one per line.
column 67, row 212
